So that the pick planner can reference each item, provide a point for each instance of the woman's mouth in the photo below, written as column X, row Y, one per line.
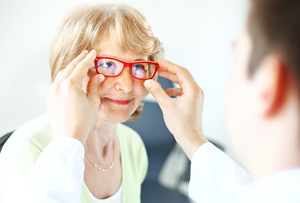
column 120, row 102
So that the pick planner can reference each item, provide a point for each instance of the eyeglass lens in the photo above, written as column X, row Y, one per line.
column 112, row 67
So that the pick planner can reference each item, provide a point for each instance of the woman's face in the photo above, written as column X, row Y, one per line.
column 121, row 95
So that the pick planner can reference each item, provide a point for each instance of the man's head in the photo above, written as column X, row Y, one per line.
column 263, row 93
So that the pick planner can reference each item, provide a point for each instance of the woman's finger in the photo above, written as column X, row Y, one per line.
column 174, row 92
column 58, row 76
column 157, row 92
column 83, row 66
column 70, row 68
column 93, row 86
column 168, row 75
column 185, row 79
column 174, row 69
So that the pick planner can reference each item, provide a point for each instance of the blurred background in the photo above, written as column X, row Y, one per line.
column 197, row 34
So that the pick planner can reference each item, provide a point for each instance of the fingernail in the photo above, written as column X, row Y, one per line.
column 101, row 78
column 148, row 84
column 85, row 51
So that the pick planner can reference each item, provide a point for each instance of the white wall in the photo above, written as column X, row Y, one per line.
column 197, row 34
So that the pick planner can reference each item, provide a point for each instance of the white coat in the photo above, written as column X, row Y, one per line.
column 215, row 178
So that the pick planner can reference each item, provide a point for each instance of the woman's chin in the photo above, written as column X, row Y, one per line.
column 119, row 120
column 111, row 112
column 116, row 117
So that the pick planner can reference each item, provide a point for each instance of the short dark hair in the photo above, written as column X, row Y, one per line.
column 274, row 27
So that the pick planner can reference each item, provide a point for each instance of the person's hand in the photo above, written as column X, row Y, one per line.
column 182, row 115
column 72, row 112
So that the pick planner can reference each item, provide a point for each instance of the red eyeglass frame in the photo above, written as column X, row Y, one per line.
column 126, row 64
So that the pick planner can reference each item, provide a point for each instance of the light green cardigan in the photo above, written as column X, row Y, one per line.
column 23, row 148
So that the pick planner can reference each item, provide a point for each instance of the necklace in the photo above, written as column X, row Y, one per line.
column 98, row 167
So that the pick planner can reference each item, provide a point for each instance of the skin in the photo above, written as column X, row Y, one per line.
column 101, row 138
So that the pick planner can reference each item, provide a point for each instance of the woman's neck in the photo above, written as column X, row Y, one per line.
column 101, row 138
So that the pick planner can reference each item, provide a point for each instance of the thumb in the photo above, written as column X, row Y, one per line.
column 93, row 86
column 157, row 91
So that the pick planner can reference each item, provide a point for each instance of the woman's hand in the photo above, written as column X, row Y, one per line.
column 72, row 113
column 182, row 115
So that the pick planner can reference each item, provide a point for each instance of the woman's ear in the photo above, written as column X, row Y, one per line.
column 272, row 85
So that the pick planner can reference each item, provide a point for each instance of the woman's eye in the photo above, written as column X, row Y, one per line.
column 139, row 67
column 106, row 65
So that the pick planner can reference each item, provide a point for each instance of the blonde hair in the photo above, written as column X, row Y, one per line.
column 83, row 27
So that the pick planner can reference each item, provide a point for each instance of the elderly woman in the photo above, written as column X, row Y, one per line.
column 115, row 157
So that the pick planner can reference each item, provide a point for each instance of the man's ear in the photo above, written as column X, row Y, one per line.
column 272, row 85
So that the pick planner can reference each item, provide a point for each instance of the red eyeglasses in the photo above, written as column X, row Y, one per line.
column 111, row 67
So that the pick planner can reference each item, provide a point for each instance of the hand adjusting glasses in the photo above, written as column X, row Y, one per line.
column 112, row 67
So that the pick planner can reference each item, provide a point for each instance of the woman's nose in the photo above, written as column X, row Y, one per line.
column 125, row 81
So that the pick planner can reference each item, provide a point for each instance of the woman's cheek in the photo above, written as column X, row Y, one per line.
column 141, row 88
column 104, row 87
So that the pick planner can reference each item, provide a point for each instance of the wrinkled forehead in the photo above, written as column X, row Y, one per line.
column 105, row 47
